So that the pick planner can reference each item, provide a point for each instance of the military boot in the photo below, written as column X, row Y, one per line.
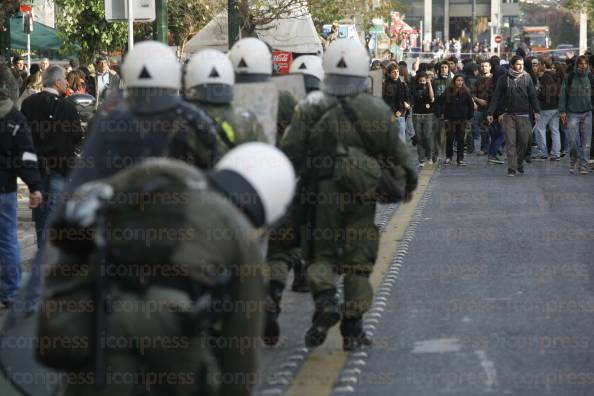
column 299, row 280
column 353, row 335
column 326, row 315
column 272, row 328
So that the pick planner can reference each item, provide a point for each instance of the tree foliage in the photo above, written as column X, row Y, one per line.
column 8, row 9
column 82, row 25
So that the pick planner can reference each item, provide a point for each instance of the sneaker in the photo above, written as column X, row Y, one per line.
column 553, row 158
column 511, row 173
column 422, row 164
column 539, row 157
column 521, row 169
column 572, row 168
column 448, row 160
column 482, row 152
column 584, row 170
column 462, row 163
column 430, row 162
column 495, row 160
column 563, row 153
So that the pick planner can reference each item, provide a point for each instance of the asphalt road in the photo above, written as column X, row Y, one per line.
column 494, row 295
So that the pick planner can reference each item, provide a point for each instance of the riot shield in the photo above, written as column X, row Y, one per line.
column 261, row 99
column 291, row 83
column 375, row 82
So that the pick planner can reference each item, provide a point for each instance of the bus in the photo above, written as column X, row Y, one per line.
column 536, row 38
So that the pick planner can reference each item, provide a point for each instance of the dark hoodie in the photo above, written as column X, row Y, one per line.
column 575, row 97
column 548, row 88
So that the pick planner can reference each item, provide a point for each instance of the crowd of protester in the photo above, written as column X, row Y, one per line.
column 530, row 108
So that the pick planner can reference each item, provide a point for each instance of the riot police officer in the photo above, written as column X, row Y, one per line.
column 284, row 251
column 252, row 62
column 208, row 83
column 331, row 129
column 152, row 121
column 311, row 68
column 201, row 335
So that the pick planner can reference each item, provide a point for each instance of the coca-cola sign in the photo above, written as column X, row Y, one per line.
column 282, row 60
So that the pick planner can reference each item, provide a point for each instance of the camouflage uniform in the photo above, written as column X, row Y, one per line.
column 218, row 241
column 340, row 235
column 235, row 126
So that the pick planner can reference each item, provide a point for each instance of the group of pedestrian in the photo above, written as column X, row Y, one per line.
column 498, row 107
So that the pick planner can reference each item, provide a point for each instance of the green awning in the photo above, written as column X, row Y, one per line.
column 43, row 37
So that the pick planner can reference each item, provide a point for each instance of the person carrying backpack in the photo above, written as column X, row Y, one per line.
column 334, row 141
column 159, row 275
column 575, row 108
column 515, row 98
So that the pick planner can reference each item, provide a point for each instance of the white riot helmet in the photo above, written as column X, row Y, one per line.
column 311, row 68
column 151, row 64
column 209, row 78
column 259, row 179
column 346, row 64
column 251, row 59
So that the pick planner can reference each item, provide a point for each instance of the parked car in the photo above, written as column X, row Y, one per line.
column 562, row 49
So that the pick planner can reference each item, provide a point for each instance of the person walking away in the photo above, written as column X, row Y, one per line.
column 547, row 89
column 339, row 127
column 17, row 158
column 514, row 98
column 575, row 108
column 458, row 110
column 57, row 130
column 423, row 117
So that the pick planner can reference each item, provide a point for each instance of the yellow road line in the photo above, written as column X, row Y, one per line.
column 321, row 369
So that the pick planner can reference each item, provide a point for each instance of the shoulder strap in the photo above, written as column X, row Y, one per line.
column 352, row 116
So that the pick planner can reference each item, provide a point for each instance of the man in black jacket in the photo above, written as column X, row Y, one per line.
column 548, row 88
column 515, row 98
column 56, row 128
column 17, row 158
column 396, row 96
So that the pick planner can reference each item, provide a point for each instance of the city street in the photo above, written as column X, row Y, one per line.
column 488, row 290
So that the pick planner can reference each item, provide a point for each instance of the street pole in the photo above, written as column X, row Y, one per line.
column 473, row 24
column 233, row 21
column 161, row 21
column 28, row 51
column 130, row 25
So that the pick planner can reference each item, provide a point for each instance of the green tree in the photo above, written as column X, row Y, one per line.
column 82, row 26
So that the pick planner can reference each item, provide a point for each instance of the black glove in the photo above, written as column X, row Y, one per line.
column 413, row 140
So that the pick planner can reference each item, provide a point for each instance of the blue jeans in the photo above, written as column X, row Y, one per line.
column 496, row 137
column 579, row 130
column 548, row 118
column 10, row 257
column 401, row 122
column 52, row 187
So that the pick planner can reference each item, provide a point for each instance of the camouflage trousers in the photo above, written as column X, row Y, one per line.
column 341, row 238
